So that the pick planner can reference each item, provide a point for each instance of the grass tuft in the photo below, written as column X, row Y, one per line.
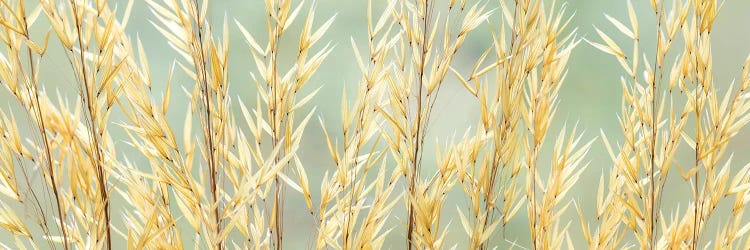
column 220, row 177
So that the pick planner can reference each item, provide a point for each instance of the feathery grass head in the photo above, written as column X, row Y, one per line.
column 105, row 165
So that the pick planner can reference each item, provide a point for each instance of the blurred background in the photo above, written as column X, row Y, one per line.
column 590, row 97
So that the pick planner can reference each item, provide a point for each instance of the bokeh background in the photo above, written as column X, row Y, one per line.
column 590, row 97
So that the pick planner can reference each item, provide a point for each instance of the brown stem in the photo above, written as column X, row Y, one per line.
column 356, row 142
column 87, row 95
column 48, row 155
column 208, row 127
column 415, row 159
column 532, row 198
column 489, row 197
column 695, row 187
column 276, row 127
column 698, row 138
column 45, row 142
column 699, row 89
column 654, row 128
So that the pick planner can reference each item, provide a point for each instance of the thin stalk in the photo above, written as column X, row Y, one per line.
column 208, row 133
column 654, row 123
column 46, row 145
column 357, row 140
column 696, row 194
column 276, row 127
column 87, row 95
column 45, row 141
column 699, row 88
column 507, row 78
column 43, row 220
column 532, row 199
column 415, row 159
column 489, row 196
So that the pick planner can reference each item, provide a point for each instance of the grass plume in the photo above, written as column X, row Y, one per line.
column 102, row 163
